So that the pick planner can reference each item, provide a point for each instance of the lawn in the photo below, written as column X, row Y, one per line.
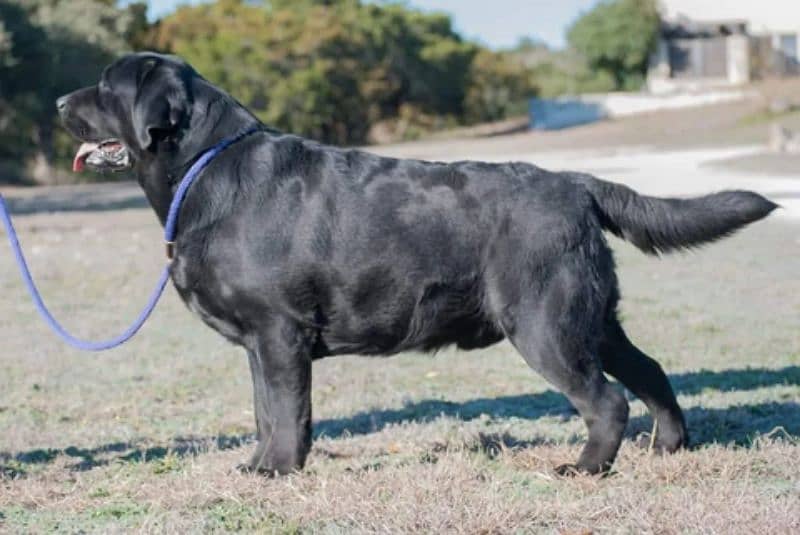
column 146, row 437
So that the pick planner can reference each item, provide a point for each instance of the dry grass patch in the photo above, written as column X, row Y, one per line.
column 460, row 488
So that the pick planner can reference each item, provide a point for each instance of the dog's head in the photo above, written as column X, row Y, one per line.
column 141, row 105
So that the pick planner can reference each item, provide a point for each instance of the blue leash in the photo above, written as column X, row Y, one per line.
column 170, row 231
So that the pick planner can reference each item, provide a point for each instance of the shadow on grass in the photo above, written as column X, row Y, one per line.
column 731, row 425
column 118, row 452
column 731, row 380
column 738, row 425
column 529, row 407
column 551, row 403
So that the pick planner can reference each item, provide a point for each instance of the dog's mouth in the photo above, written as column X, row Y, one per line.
column 107, row 155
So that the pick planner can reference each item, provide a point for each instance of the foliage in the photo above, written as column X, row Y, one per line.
column 559, row 72
column 566, row 73
column 21, row 51
column 499, row 86
column 48, row 48
column 326, row 69
column 616, row 38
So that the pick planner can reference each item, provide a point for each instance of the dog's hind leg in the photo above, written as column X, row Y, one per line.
column 574, row 369
column 556, row 329
column 644, row 377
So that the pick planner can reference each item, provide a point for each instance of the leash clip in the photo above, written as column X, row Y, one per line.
column 170, row 250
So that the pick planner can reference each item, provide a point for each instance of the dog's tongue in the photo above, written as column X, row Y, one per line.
column 80, row 157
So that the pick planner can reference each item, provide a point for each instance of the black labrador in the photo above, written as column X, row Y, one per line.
column 297, row 250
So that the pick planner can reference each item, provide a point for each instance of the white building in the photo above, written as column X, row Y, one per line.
column 712, row 42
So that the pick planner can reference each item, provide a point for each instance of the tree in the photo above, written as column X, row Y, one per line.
column 325, row 69
column 499, row 86
column 51, row 47
column 616, row 38
column 22, row 50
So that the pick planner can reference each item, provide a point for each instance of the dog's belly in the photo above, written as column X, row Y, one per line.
column 464, row 333
column 437, row 315
column 438, row 319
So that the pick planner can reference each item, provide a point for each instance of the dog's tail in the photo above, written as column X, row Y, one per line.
column 657, row 225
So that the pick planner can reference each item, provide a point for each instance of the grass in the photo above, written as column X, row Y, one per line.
column 145, row 438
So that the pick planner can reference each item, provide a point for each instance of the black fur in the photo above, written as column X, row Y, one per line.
column 297, row 251
column 661, row 225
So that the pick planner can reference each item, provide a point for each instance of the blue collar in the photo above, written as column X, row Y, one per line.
column 171, row 225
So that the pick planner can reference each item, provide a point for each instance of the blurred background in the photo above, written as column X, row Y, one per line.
column 354, row 72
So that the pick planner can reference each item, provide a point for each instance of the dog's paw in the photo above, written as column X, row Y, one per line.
column 255, row 469
column 664, row 442
column 267, row 469
column 573, row 470
column 569, row 470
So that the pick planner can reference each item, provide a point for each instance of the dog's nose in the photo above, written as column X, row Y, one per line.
column 61, row 103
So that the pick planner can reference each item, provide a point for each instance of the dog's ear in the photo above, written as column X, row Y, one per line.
column 161, row 104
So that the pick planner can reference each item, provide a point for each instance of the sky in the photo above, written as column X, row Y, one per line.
column 496, row 23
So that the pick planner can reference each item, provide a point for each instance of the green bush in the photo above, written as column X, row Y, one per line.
column 48, row 48
column 325, row 69
column 616, row 38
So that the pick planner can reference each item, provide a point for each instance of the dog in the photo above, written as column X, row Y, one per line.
column 296, row 251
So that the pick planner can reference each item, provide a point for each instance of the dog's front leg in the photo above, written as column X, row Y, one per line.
column 280, row 363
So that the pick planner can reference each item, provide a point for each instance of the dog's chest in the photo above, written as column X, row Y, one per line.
column 206, row 297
